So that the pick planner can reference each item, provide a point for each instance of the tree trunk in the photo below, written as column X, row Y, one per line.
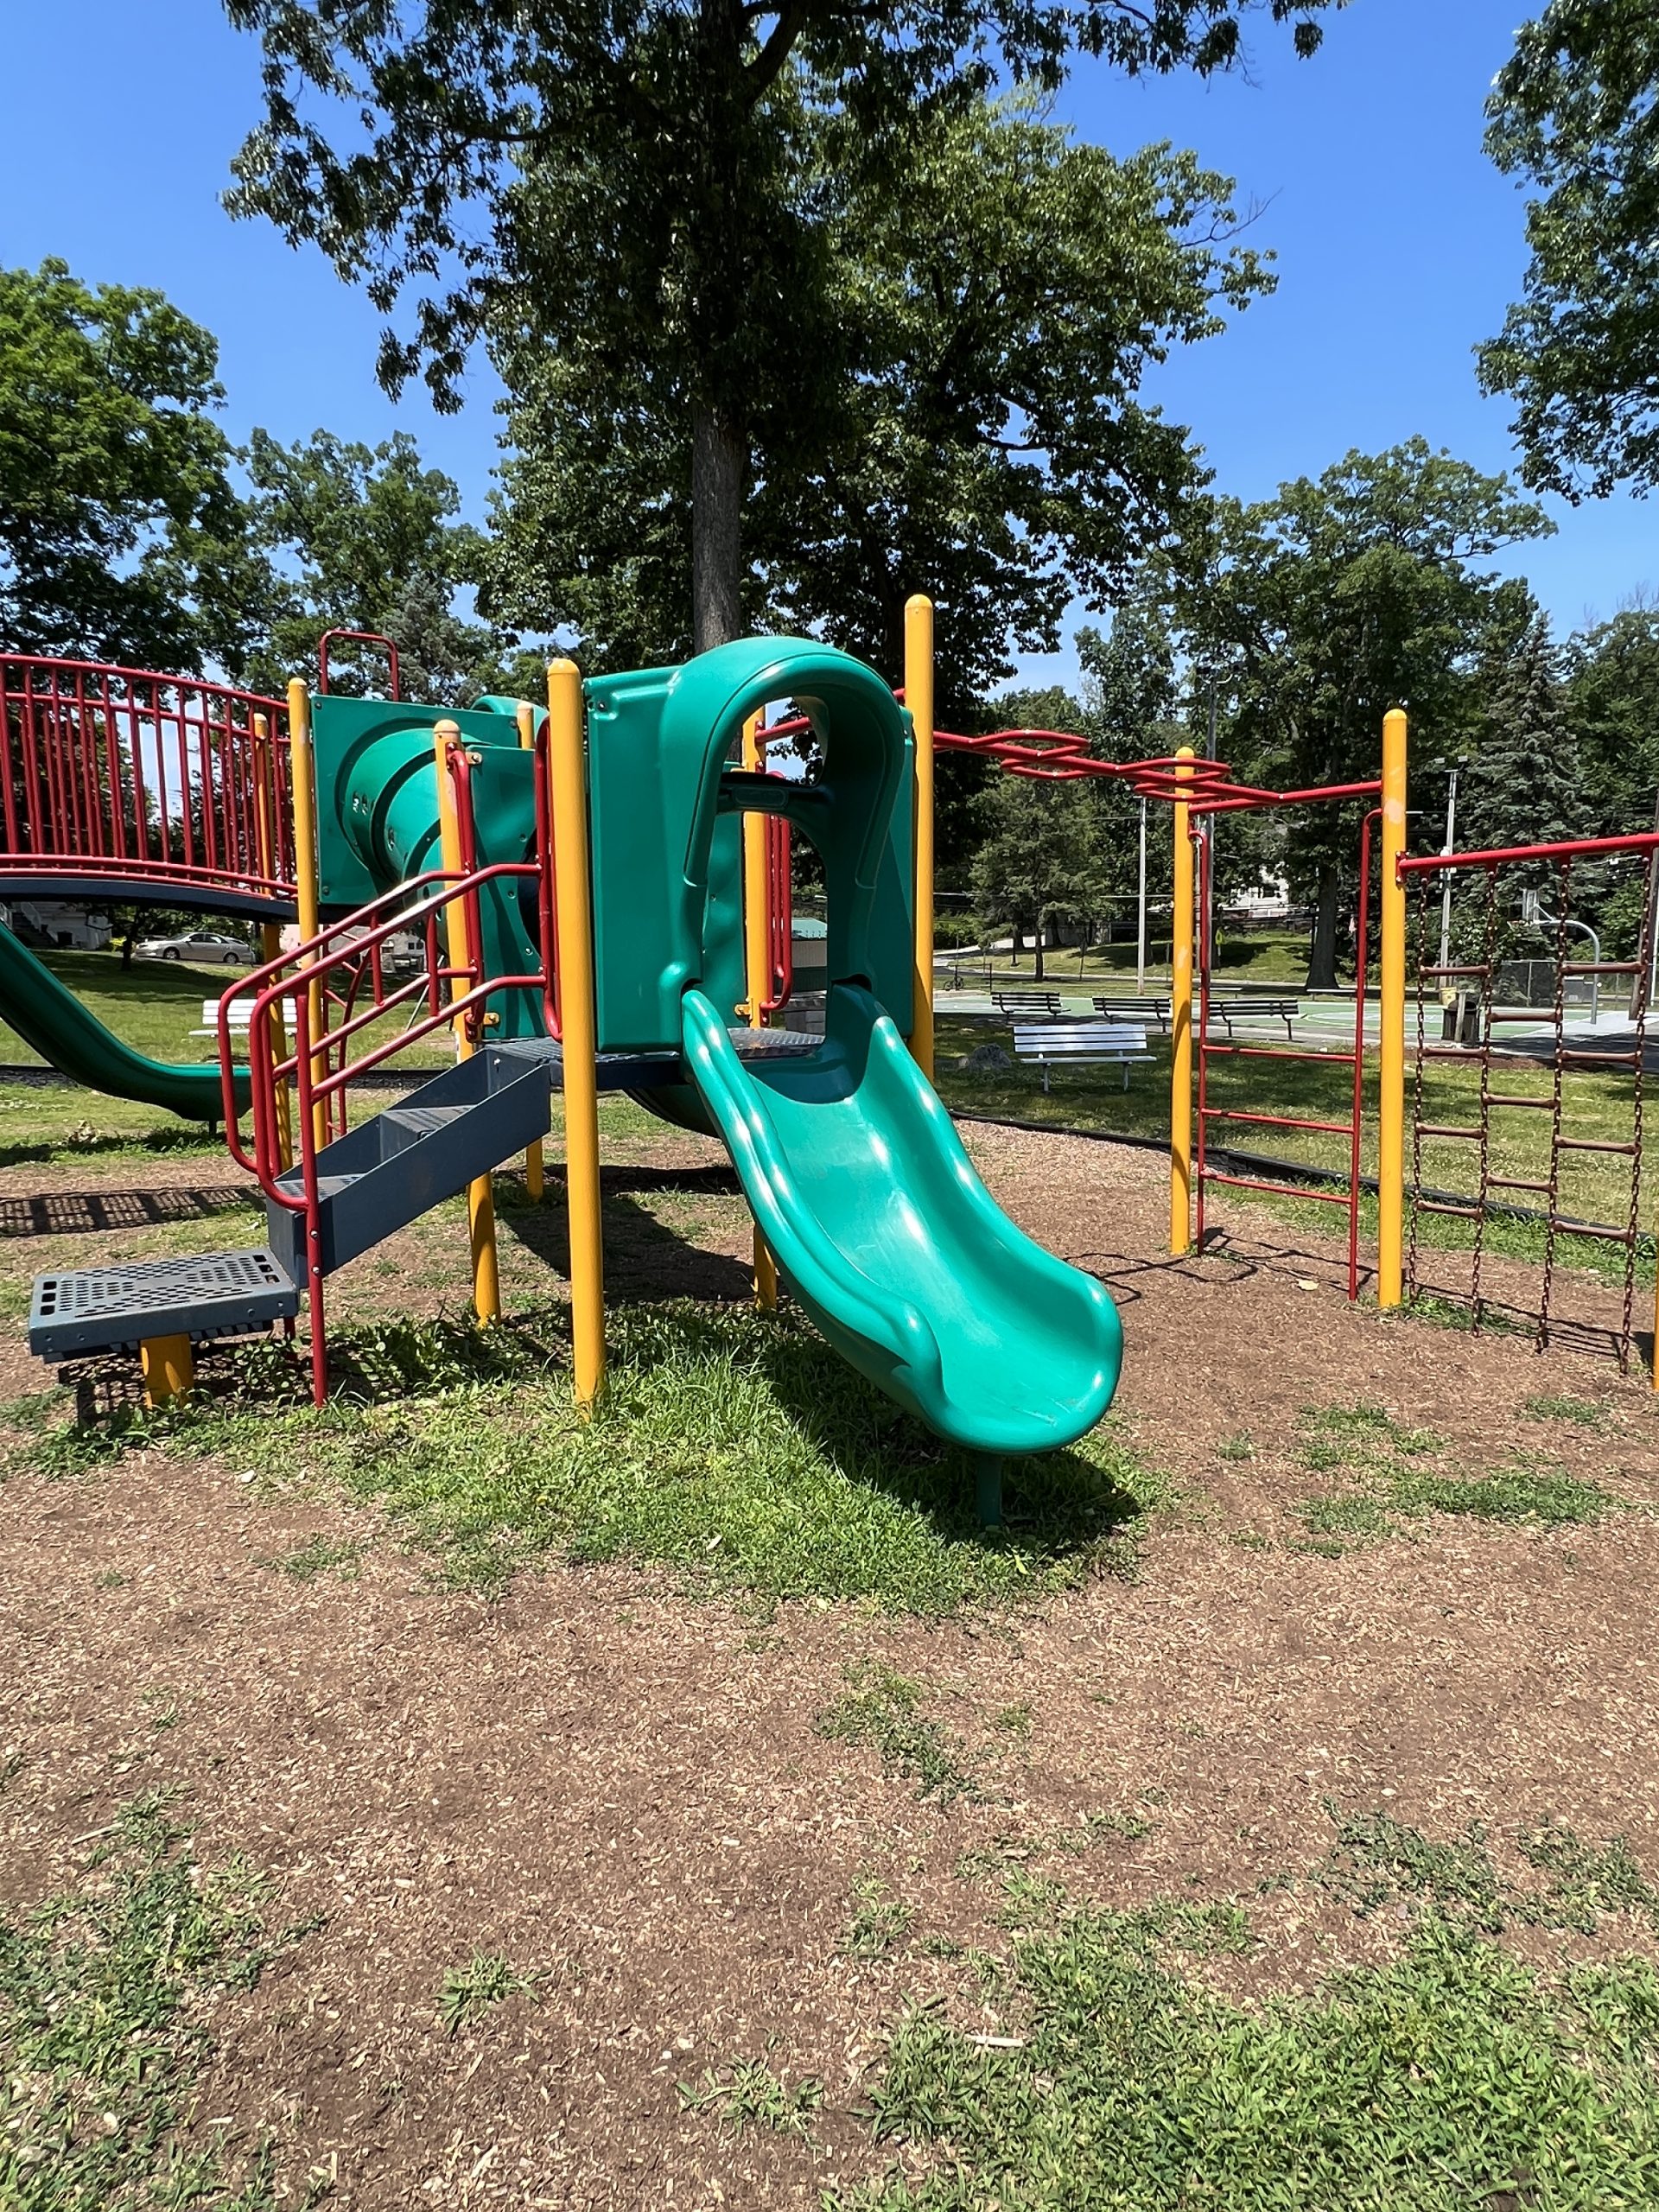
column 1037, row 937
column 1322, row 956
column 717, row 472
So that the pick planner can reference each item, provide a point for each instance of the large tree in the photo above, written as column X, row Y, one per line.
column 120, row 536
column 984, row 442
column 1316, row 612
column 662, row 140
column 1575, row 112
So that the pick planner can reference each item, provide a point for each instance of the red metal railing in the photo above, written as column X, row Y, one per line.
column 142, row 782
column 358, row 638
column 780, row 914
column 292, row 998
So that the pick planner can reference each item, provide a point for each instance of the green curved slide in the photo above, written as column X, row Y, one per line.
column 53, row 1020
column 896, row 1249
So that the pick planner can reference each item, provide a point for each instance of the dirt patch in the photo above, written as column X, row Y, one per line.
column 626, row 1796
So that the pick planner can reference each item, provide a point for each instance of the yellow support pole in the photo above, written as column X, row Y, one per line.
column 579, row 1021
column 535, row 1172
column 1180, row 1028
column 169, row 1369
column 1391, row 1042
column 480, row 1191
column 302, row 775
column 270, row 933
column 757, row 964
column 918, row 697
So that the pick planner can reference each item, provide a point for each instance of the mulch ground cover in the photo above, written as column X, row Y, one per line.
column 630, row 1797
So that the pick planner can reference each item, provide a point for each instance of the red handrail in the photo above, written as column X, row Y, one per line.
column 358, row 638
column 125, row 776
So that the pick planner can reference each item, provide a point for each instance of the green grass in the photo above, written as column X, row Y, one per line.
column 319, row 1555
column 467, row 1993
column 1379, row 1864
column 102, row 2040
column 1593, row 1186
column 735, row 1450
column 1261, row 956
column 881, row 1712
column 747, row 2093
column 878, row 1922
column 1400, row 1473
column 1453, row 2077
column 152, row 1006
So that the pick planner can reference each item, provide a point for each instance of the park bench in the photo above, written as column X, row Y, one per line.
column 1081, row 1044
column 1135, row 1009
column 1028, row 1005
column 1230, row 1010
column 241, row 1015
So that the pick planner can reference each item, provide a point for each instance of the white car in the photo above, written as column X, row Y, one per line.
column 206, row 947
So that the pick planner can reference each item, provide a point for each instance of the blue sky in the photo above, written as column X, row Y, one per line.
column 1398, row 246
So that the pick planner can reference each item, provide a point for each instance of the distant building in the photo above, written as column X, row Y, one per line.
column 72, row 929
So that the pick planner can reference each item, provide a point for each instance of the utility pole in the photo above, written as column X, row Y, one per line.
column 1141, row 914
column 1446, row 888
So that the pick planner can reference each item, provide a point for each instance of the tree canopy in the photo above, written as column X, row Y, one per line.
column 1349, row 593
column 631, row 171
column 1576, row 113
column 118, row 522
column 366, row 539
column 984, row 440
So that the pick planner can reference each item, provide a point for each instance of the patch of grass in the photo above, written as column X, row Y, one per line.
column 1235, row 1448
column 318, row 1556
column 746, row 2093
column 1402, row 1474
column 1581, row 1412
column 103, row 1992
column 1451, row 2077
column 467, row 1993
column 1377, row 1861
column 878, row 1920
column 737, row 1449
column 881, row 1711
column 1014, row 1720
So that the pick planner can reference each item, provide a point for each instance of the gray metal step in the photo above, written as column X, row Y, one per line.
column 389, row 1170
column 109, row 1309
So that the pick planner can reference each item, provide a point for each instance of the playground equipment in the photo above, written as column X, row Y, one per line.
column 1200, row 791
column 578, row 878
column 1477, row 979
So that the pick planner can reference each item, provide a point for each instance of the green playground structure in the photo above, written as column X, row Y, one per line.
column 600, row 886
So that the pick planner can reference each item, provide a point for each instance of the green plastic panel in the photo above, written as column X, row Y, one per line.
column 658, row 741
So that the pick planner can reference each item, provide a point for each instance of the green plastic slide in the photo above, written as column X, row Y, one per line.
column 54, row 1020
column 892, row 1244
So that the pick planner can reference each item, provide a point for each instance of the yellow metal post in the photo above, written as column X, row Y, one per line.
column 579, row 1021
column 169, row 1369
column 535, row 1174
column 303, row 777
column 480, row 1191
column 1181, row 1027
column 757, row 962
column 1391, row 1040
column 918, row 697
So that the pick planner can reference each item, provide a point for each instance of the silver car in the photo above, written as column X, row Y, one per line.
column 206, row 947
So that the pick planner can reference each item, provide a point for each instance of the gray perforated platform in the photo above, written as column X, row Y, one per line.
column 108, row 1309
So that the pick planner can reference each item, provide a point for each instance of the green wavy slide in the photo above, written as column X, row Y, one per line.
column 54, row 1020
column 892, row 1244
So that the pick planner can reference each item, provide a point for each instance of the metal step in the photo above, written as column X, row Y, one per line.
column 396, row 1166
column 110, row 1309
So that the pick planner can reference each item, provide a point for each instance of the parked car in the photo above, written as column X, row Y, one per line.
column 204, row 946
